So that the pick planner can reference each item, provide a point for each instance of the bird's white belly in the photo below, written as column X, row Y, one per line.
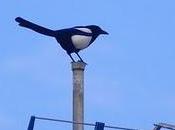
column 81, row 42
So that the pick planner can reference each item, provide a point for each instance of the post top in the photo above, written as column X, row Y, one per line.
column 79, row 65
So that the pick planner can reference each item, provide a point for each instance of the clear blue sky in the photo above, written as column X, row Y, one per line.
column 130, row 77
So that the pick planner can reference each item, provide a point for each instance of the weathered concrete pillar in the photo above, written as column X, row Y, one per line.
column 78, row 94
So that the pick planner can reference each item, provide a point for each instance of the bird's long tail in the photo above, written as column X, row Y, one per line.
column 24, row 23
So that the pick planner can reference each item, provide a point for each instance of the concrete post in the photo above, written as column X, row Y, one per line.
column 78, row 94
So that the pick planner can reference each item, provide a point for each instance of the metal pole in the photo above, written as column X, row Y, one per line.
column 78, row 94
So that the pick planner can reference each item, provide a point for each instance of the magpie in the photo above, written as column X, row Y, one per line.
column 72, row 40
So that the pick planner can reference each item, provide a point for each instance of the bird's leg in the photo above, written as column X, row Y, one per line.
column 79, row 57
column 71, row 57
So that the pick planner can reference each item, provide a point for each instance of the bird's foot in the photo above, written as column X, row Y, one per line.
column 82, row 61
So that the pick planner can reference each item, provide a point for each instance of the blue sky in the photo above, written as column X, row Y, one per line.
column 129, row 80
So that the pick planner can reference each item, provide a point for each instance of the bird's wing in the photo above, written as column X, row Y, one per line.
column 80, row 30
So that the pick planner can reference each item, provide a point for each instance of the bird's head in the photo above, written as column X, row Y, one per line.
column 96, row 30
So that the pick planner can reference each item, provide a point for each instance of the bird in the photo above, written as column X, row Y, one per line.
column 72, row 40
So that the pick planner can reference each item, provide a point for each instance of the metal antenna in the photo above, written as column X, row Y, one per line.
column 164, row 125
column 81, row 123
column 31, row 123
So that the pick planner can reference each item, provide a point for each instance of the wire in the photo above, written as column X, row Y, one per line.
column 88, row 124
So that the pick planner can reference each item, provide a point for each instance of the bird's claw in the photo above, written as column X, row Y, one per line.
column 82, row 61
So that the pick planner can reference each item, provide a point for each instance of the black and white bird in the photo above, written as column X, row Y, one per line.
column 72, row 40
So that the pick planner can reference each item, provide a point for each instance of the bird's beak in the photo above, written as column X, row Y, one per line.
column 104, row 32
